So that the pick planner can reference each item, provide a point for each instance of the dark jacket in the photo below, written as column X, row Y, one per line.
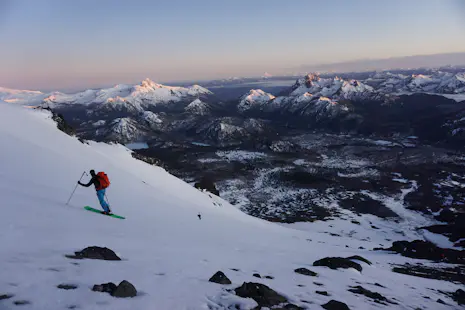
column 94, row 180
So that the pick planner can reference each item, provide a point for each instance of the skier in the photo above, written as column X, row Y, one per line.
column 101, row 182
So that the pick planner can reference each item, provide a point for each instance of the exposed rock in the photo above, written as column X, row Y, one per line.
column 262, row 294
column 426, row 250
column 60, row 121
column 151, row 160
column 440, row 301
column 324, row 293
column 452, row 274
column 360, row 203
column 459, row 296
column 335, row 305
column 306, row 272
column 373, row 295
column 67, row 286
column 256, row 275
column 319, row 284
column 220, row 278
column 357, row 257
column 269, row 277
column 337, row 262
column 22, row 302
column 109, row 287
column 289, row 307
column 95, row 252
column 125, row 289
column 6, row 296
column 208, row 185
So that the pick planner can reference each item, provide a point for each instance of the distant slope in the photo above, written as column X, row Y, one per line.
column 417, row 61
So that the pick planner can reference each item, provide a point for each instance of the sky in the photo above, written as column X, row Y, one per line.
column 61, row 44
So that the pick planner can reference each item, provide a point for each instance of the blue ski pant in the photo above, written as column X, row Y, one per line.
column 101, row 199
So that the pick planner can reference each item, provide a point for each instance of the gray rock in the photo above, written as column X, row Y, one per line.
column 306, row 272
column 67, row 286
column 95, row 252
column 220, row 278
column 262, row 294
column 337, row 262
column 335, row 305
column 125, row 289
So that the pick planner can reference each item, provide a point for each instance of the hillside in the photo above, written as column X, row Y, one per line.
column 167, row 252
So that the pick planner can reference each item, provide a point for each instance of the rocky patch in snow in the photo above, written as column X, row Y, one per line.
column 426, row 250
column 123, row 290
column 95, row 252
column 220, row 278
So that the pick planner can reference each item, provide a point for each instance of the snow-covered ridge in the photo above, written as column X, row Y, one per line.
column 197, row 107
column 21, row 97
column 144, row 94
column 310, row 96
column 438, row 82
column 254, row 98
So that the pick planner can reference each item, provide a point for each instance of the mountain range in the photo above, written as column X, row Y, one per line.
column 141, row 112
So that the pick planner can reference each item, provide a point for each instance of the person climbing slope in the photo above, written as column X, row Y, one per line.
column 101, row 183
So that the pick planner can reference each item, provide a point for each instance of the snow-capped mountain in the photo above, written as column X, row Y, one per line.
column 255, row 98
column 21, row 97
column 438, row 83
column 123, row 129
column 334, row 88
column 198, row 107
column 232, row 130
column 124, row 97
column 311, row 97
column 152, row 119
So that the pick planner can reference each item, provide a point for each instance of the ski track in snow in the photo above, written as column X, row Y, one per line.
column 168, row 253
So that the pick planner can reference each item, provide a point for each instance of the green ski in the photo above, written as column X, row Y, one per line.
column 100, row 211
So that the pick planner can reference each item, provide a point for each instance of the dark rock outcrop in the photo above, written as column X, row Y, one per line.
column 426, row 250
column 67, row 286
column 459, row 297
column 208, row 185
column 123, row 290
column 452, row 274
column 324, row 293
column 362, row 259
column 335, row 305
column 337, row 262
column 95, row 252
column 220, row 278
column 6, row 296
column 372, row 295
column 289, row 307
column 306, row 272
column 257, row 275
column 262, row 294
column 109, row 287
column 21, row 302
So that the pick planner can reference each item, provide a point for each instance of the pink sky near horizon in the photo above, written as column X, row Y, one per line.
column 53, row 44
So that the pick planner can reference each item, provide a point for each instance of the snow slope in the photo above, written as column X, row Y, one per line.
column 168, row 253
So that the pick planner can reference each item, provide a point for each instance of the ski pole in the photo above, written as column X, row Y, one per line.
column 75, row 187
column 108, row 201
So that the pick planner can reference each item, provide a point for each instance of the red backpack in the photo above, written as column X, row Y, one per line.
column 103, row 180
